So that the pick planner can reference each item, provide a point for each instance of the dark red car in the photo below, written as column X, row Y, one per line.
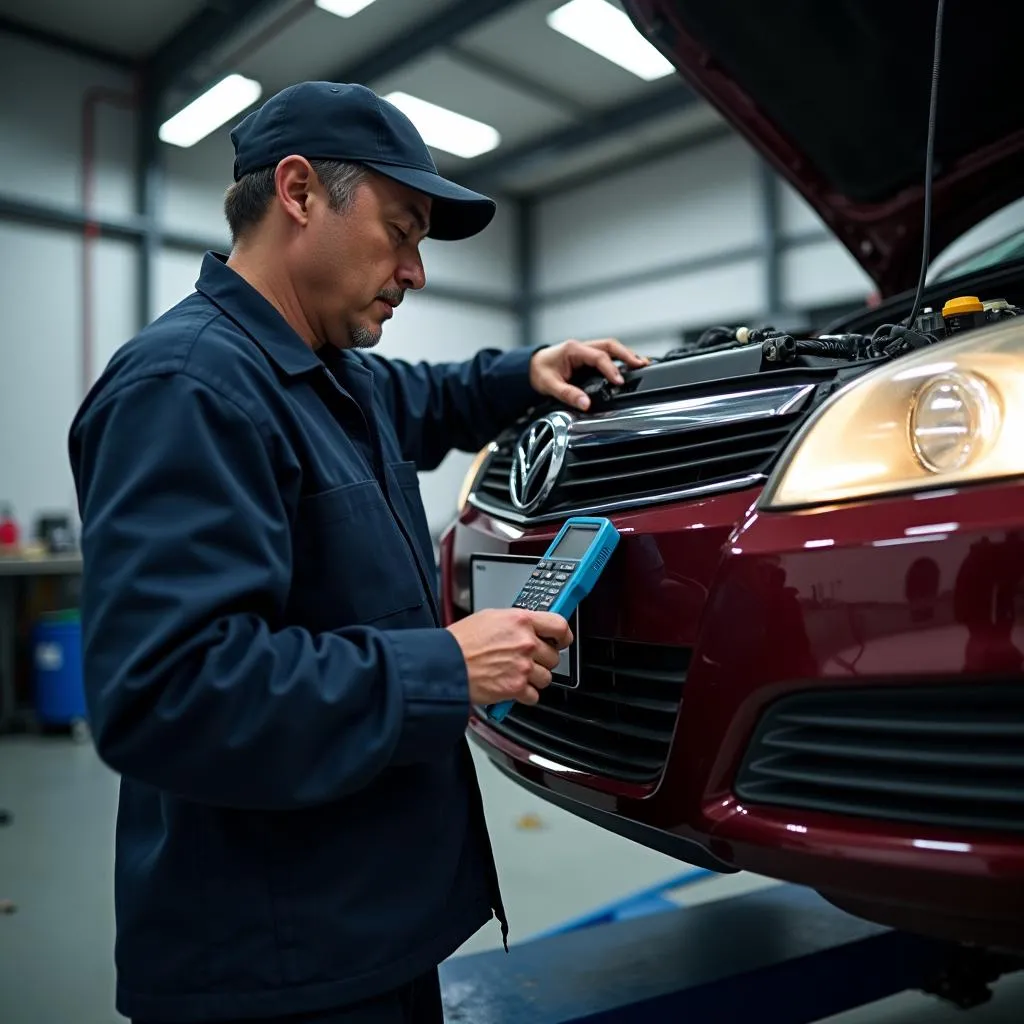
column 804, row 659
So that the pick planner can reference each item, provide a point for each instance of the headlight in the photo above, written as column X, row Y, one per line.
column 949, row 414
column 470, row 478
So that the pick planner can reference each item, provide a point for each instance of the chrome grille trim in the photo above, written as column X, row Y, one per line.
column 686, row 414
column 721, row 487
column 656, row 428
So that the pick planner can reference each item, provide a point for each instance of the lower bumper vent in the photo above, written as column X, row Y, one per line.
column 949, row 756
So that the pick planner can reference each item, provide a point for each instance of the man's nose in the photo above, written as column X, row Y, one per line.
column 412, row 275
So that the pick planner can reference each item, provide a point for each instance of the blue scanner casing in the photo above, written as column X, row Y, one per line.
column 565, row 574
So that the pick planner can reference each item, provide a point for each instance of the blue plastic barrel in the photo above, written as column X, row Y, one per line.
column 57, row 668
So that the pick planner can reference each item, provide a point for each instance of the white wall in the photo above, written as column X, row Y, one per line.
column 40, row 295
column 41, row 276
column 41, row 270
column 818, row 273
column 696, row 204
column 641, row 224
column 652, row 310
column 822, row 274
column 41, row 128
column 441, row 331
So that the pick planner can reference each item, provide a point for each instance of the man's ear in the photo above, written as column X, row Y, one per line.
column 293, row 182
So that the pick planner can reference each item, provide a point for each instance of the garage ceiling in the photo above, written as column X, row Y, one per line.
column 126, row 30
column 563, row 112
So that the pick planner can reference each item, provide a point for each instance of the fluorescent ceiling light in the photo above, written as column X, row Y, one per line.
column 606, row 30
column 444, row 129
column 343, row 8
column 208, row 112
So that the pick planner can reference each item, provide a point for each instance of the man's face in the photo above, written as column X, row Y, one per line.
column 357, row 264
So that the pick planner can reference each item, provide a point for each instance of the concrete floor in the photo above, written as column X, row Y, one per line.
column 56, row 863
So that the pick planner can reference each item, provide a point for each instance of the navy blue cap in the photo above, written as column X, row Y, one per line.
column 332, row 121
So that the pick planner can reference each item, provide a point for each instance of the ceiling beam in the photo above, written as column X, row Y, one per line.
column 59, row 41
column 487, row 171
column 429, row 33
column 182, row 63
column 515, row 79
column 193, row 57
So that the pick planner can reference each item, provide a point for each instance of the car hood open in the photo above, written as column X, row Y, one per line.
column 834, row 94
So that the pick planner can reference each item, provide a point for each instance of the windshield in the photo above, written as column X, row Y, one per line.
column 1003, row 251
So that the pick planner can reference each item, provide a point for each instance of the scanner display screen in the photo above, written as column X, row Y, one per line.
column 574, row 543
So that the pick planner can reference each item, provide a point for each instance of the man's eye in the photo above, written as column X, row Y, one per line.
column 400, row 234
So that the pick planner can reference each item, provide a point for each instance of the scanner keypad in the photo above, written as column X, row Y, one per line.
column 541, row 590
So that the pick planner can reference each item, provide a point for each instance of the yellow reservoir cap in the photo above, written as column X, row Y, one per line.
column 963, row 304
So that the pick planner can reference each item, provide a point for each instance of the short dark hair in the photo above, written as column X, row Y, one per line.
column 248, row 199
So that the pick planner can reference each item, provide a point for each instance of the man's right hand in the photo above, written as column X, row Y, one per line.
column 510, row 653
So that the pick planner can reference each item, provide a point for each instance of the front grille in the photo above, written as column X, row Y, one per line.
column 619, row 722
column 950, row 756
column 638, row 468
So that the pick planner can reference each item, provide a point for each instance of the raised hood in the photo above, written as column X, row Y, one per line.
column 834, row 94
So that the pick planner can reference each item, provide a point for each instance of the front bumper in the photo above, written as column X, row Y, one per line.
column 652, row 597
column 884, row 604
column 906, row 593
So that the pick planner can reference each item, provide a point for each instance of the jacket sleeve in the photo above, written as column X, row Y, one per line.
column 440, row 406
column 194, row 684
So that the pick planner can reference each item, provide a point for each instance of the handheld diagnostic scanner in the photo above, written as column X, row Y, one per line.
column 564, row 575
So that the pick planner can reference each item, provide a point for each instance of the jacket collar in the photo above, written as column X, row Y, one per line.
column 237, row 299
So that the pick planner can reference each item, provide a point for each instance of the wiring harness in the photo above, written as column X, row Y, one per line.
column 888, row 341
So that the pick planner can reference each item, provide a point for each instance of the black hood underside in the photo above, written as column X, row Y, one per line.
column 835, row 94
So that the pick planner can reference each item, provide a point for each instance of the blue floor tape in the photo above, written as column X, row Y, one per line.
column 646, row 901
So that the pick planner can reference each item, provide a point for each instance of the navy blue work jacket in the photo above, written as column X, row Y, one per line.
column 299, row 824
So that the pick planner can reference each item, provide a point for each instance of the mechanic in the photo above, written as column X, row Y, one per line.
column 300, row 832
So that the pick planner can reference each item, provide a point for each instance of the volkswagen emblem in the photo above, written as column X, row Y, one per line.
column 538, row 460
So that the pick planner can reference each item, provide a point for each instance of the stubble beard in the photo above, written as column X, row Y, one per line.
column 364, row 337
column 368, row 337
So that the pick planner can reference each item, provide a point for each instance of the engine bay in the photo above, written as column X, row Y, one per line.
column 780, row 349
column 724, row 355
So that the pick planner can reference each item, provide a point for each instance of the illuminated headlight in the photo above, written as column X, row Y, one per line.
column 952, row 420
column 471, row 474
column 946, row 415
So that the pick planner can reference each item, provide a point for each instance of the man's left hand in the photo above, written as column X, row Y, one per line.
column 551, row 368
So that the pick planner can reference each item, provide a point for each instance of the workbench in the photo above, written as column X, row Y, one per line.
column 15, row 573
